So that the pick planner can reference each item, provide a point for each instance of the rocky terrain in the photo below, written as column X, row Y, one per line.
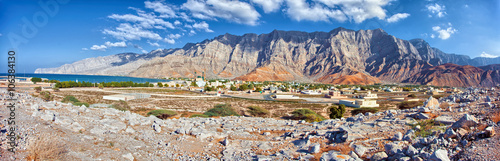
column 438, row 130
column 341, row 56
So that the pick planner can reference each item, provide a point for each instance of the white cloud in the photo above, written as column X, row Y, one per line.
column 98, row 47
column 433, row 36
column 269, row 5
column 438, row 10
column 146, row 20
column 144, row 51
column 127, row 31
column 116, row 44
column 177, row 22
column 154, row 44
column 170, row 41
column 340, row 10
column 166, row 11
column 444, row 33
column 85, row 49
column 192, row 32
column 234, row 11
column 398, row 16
column 202, row 26
column 174, row 36
column 486, row 55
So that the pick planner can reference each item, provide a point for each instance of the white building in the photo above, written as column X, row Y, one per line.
column 286, row 97
column 310, row 92
column 368, row 95
column 358, row 103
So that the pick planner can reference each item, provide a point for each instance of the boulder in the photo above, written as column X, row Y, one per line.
column 339, row 136
column 314, row 148
column 333, row 155
column 449, row 133
column 465, row 122
column 439, row 155
column 411, row 151
column 420, row 116
column 378, row 156
column 360, row 150
column 431, row 103
column 392, row 148
column 445, row 120
column 490, row 131
column 398, row 136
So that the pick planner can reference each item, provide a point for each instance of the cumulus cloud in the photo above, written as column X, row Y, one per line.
column 340, row 10
column 436, row 9
column 234, row 11
column 169, row 40
column 154, row 44
column 116, row 44
column 144, row 51
column 269, row 5
column 398, row 16
column 486, row 55
column 146, row 20
column 127, row 31
column 174, row 36
column 165, row 10
column 85, row 49
column 444, row 33
column 98, row 47
column 202, row 26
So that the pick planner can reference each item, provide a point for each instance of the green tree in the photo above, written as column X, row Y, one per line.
column 193, row 84
column 233, row 88
column 36, row 79
column 258, row 89
column 250, row 86
column 160, row 84
column 244, row 87
column 337, row 111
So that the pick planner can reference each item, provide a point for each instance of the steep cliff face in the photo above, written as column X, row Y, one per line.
column 324, row 57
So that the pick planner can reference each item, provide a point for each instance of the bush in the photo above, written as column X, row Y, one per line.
column 199, row 115
column 81, row 103
column 306, row 114
column 46, row 147
column 162, row 114
column 45, row 95
column 36, row 79
column 121, row 105
column 38, row 89
column 160, row 84
column 410, row 104
column 55, row 89
column 337, row 112
column 221, row 110
column 71, row 99
column 257, row 111
column 363, row 110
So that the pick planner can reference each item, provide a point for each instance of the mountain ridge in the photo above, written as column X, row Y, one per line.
column 341, row 56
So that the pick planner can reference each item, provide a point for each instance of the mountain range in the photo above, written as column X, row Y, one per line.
column 341, row 56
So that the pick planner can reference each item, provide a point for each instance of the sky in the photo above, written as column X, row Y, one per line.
column 50, row 33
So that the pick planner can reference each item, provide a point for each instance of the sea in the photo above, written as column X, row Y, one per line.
column 88, row 78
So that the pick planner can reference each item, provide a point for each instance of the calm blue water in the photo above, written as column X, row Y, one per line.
column 87, row 78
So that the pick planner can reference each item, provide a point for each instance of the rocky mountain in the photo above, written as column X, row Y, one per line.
column 341, row 56
column 456, row 76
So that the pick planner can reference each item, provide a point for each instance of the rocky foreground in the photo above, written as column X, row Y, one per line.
column 462, row 131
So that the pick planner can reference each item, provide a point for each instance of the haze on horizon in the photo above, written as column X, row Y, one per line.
column 56, row 32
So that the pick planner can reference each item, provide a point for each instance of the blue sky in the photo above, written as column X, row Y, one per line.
column 50, row 33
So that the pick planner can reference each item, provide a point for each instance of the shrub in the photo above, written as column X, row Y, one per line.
column 306, row 114
column 363, row 110
column 257, row 111
column 160, row 84
column 81, row 103
column 36, row 79
column 426, row 128
column 45, row 95
column 121, row 105
column 55, row 89
column 410, row 104
column 71, row 99
column 221, row 110
column 337, row 112
column 199, row 115
column 162, row 114
column 46, row 147
column 38, row 89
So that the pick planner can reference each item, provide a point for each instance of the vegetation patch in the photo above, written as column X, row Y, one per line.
column 426, row 128
column 199, row 115
column 162, row 114
column 337, row 112
column 363, row 110
column 121, row 105
column 257, row 111
column 410, row 104
column 221, row 110
column 74, row 101
column 306, row 114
